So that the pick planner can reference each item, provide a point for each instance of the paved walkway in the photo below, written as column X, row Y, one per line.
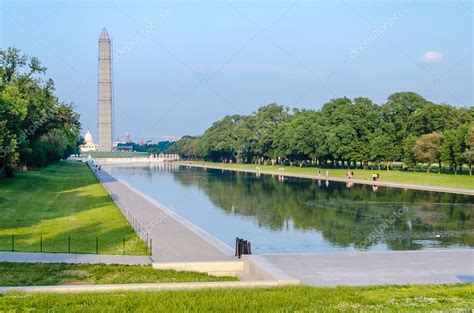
column 143, row 287
column 33, row 257
column 174, row 239
column 464, row 191
column 377, row 268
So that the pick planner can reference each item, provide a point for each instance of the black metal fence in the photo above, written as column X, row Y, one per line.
column 142, row 232
column 73, row 244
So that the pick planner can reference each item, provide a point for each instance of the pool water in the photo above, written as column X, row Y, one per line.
column 302, row 215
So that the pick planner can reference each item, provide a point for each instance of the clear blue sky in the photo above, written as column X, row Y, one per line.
column 196, row 62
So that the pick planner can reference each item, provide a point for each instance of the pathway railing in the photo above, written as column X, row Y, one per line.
column 73, row 243
column 141, row 232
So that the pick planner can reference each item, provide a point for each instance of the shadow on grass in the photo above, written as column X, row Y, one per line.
column 59, row 191
column 89, row 239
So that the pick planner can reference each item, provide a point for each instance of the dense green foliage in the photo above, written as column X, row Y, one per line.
column 156, row 148
column 58, row 201
column 46, row 274
column 35, row 127
column 413, row 298
column 344, row 133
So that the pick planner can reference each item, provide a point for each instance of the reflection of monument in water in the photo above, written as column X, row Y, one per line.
column 105, row 119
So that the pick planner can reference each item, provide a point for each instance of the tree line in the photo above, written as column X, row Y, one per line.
column 356, row 133
column 148, row 147
column 36, row 128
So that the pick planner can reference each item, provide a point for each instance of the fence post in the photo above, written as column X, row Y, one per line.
column 13, row 243
column 150, row 247
column 68, row 244
column 41, row 243
column 96, row 245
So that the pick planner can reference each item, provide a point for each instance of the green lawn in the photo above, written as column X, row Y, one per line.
column 46, row 274
column 452, row 298
column 61, row 201
column 434, row 179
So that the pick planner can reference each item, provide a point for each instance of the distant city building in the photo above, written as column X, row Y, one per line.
column 124, row 148
column 89, row 144
column 128, row 138
column 105, row 118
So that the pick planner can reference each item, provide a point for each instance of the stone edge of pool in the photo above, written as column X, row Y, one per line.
column 463, row 191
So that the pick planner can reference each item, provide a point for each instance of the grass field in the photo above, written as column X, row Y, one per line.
column 61, row 201
column 47, row 274
column 433, row 179
column 452, row 298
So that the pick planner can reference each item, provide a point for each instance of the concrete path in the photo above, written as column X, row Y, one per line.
column 143, row 287
column 174, row 239
column 33, row 257
column 464, row 191
column 377, row 268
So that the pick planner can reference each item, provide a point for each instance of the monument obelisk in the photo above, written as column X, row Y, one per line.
column 105, row 121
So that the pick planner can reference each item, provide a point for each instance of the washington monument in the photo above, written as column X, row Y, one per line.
column 105, row 119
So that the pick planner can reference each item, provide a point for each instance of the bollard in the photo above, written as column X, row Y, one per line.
column 13, row 243
column 41, row 243
column 242, row 247
column 237, row 249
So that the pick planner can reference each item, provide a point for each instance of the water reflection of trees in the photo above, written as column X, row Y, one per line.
column 343, row 216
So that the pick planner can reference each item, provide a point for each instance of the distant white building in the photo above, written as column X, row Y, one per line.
column 89, row 144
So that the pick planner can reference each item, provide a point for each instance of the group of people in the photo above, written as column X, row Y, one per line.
column 319, row 172
column 375, row 176
column 97, row 168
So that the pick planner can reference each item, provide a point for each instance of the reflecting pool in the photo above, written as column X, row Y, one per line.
column 301, row 215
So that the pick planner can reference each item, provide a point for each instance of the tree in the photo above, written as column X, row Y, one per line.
column 399, row 111
column 435, row 118
column 427, row 149
column 300, row 137
column 468, row 155
column 381, row 148
column 266, row 120
column 408, row 156
column 454, row 147
column 36, row 128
